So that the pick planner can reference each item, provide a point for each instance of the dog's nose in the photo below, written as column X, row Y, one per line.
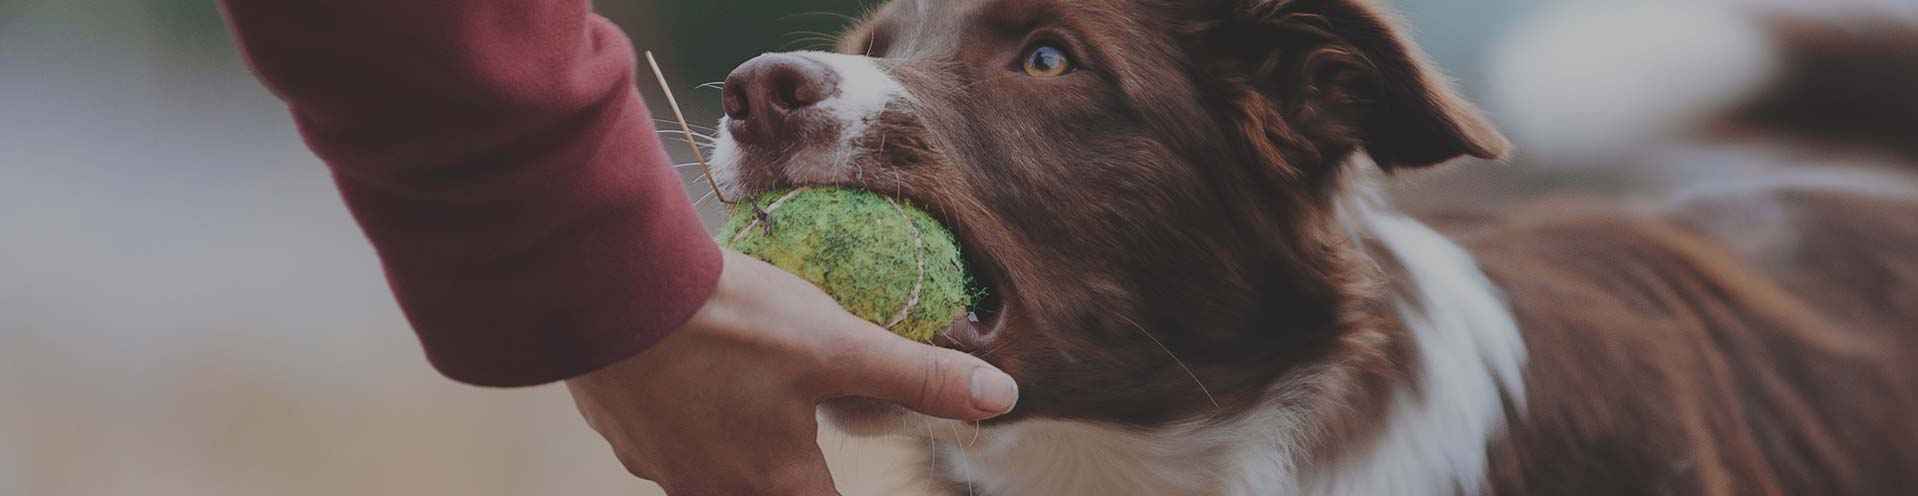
column 762, row 93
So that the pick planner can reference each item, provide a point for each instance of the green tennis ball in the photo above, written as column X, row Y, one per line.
column 882, row 259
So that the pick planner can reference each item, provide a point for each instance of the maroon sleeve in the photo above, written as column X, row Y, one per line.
column 500, row 159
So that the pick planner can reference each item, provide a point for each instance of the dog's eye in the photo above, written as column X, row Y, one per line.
column 1047, row 61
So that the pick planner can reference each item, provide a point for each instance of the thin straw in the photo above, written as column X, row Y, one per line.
column 686, row 129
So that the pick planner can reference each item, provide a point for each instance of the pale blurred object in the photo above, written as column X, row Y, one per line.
column 1584, row 82
column 1604, row 84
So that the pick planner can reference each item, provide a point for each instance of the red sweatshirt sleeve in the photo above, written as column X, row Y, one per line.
column 497, row 154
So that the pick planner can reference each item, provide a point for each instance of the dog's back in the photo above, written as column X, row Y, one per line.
column 1668, row 361
column 1755, row 335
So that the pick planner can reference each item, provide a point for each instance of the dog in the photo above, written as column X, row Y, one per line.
column 1196, row 280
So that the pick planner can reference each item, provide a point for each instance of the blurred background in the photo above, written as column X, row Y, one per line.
column 186, row 308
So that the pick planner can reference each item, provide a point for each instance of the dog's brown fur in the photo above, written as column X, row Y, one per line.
column 1163, row 231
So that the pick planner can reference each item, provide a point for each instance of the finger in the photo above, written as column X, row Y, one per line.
column 928, row 379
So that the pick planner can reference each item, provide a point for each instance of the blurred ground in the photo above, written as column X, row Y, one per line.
column 186, row 309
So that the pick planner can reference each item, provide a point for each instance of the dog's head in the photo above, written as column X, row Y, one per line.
column 1135, row 180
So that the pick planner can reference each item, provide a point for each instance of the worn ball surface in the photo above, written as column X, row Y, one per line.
column 882, row 259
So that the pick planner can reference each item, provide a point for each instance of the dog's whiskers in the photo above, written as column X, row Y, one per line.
column 932, row 450
column 675, row 132
column 1175, row 360
column 817, row 44
column 825, row 40
column 679, row 116
column 992, row 351
column 964, row 459
column 695, row 127
column 847, row 18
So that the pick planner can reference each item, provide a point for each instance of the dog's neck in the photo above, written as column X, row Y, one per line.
column 1430, row 432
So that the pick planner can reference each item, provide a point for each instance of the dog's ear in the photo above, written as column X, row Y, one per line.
column 1334, row 76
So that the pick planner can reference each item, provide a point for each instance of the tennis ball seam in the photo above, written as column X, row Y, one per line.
column 919, row 256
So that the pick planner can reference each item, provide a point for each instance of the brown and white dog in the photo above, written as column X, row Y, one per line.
column 1200, row 291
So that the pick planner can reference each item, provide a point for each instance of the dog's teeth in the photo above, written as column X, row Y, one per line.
column 972, row 317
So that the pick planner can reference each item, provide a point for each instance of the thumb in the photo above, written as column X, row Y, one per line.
column 928, row 379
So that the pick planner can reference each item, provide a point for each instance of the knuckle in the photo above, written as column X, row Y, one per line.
column 826, row 360
column 933, row 386
column 838, row 349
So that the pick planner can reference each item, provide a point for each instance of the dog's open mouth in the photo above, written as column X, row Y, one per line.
column 969, row 332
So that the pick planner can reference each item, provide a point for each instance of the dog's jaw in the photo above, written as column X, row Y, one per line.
column 1433, row 437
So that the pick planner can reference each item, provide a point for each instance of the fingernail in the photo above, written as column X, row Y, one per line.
column 993, row 391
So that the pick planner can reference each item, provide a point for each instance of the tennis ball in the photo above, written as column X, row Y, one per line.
column 882, row 259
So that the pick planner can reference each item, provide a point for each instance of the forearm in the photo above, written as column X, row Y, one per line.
column 499, row 159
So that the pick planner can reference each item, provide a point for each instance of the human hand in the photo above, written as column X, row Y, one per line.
column 726, row 404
